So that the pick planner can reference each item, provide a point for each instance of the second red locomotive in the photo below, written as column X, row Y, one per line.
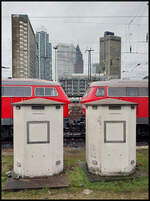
column 127, row 90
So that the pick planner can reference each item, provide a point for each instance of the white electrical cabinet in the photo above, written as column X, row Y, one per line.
column 38, row 137
column 111, row 137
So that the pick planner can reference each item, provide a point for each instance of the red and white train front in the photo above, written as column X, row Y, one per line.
column 15, row 90
column 128, row 90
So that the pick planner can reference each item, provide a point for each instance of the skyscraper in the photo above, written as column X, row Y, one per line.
column 95, row 68
column 78, row 68
column 43, row 67
column 110, row 55
column 23, row 47
column 66, row 57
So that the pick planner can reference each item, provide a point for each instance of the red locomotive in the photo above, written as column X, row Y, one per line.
column 128, row 90
column 14, row 90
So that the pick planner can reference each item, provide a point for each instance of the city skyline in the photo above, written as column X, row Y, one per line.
column 68, row 58
column 74, row 26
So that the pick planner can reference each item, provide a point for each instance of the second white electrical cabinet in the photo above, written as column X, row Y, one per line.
column 111, row 137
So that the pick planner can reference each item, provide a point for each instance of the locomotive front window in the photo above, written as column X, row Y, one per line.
column 39, row 92
column 51, row 92
column 116, row 91
column 46, row 91
column 100, row 92
column 16, row 91
column 132, row 91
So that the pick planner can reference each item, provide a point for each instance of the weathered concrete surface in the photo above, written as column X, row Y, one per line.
column 9, row 152
column 95, row 178
column 36, row 183
column 110, row 137
column 38, row 138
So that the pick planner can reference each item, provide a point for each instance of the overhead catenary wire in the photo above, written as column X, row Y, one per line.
column 94, row 22
column 131, row 21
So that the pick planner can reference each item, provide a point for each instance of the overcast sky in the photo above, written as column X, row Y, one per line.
column 83, row 23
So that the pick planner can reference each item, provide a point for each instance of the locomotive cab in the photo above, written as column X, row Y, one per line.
column 135, row 91
column 19, row 89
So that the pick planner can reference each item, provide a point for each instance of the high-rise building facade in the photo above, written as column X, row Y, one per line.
column 66, row 57
column 43, row 67
column 23, row 47
column 95, row 68
column 110, row 55
column 78, row 68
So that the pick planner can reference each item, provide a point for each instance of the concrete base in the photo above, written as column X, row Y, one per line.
column 97, row 171
column 95, row 178
column 36, row 183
